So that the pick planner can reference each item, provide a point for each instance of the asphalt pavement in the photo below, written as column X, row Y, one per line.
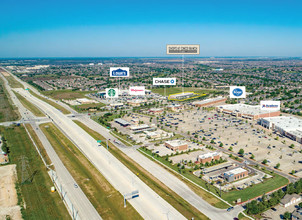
column 149, row 204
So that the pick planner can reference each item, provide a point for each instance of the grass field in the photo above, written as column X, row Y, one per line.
column 57, row 106
column 166, row 193
column 173, row 90
column 31, row 107
column 7, row 111
column 13, row 82
column 65, row 94
column 248, row 193
column 258, row 189
column 86, row 107
column 107, row 201
column 38, row 143
column 35, row 196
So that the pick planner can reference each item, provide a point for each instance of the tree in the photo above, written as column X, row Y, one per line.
column 252, row 156
column 230, row 148
column 292, row 146
column 221, row 145
column 277, row 165
column 287, row 215
column 241, row 152
column 264, row 161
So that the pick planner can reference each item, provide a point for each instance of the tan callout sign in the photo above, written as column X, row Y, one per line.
column 183, row 49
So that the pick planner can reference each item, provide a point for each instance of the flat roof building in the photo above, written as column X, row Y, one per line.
column 182, row 95
column 177, row 145
column 235, row 174
column 208, row 157
column 175, row 107
column 288, row 126
column 83, row 101
column 156, row 111
column 251, row 112
column 140, row 128
column 122, row 122
column 209, row 102
column 135, row 102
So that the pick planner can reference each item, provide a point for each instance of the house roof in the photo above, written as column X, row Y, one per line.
column 287, row 198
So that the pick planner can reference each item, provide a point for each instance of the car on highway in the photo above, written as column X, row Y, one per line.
column 75, row 185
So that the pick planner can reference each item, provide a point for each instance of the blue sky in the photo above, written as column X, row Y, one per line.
column 139, row 28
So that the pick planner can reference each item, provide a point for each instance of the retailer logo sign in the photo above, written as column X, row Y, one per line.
column 119, row 72
column 137, row 90
column 270, row 105
column 111, row 93
column 164, row 81
column 237, row 92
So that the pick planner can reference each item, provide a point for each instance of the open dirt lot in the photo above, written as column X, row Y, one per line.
column 8, row 194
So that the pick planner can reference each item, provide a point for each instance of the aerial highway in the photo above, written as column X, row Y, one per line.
column 149, row 204
column 26, row 85
column 165, row 177
column 77, row 197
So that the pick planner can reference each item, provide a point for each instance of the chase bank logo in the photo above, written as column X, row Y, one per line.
column 119, row 72
column 172, row 81
column 237, row 92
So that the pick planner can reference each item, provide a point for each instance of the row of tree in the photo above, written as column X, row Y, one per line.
column 255, row 207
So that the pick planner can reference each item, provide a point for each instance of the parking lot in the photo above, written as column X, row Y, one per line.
column 238, row 133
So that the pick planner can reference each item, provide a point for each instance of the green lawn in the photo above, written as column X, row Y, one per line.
column 166, row 193
column 13, row 82
column 104, row 197
column 57, row 106
column 31, row 107
column 86, row 107
column 173, row 90
column 205, row 195
column 257, row 190
column 248, row 193
column 65, row 94
column 34, row 196
column 7, row 111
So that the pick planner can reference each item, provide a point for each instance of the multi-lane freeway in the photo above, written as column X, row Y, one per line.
column 148, row 204
column 76, row 196
column 164, row 176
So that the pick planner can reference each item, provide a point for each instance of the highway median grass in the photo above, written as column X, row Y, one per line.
column 107, row 200
column 38, row 143
column 165, row 192
column 57, row 106
column 34, row 195
column 31, row 107
column 13, row 82
column 8, row 112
